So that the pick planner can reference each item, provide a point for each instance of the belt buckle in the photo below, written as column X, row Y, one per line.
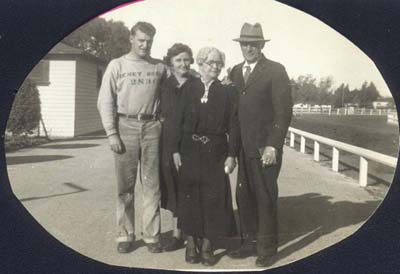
column 139, row 117
column 204, row 139
column 195, row 137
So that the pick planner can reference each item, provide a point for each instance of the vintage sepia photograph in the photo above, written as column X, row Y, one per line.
column 190, row 135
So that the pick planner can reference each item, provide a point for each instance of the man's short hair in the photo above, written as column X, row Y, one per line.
column 145, row 27
column 177, row 49
column 203, row 53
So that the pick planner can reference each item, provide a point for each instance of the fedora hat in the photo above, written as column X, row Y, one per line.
column 251, row 33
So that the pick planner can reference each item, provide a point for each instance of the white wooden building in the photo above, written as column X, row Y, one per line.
column 68, row 80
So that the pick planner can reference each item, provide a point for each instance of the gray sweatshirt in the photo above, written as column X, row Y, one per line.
column 131, row 87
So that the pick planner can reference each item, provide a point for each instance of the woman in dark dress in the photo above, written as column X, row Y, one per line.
column 179, row 58
column 205, row 149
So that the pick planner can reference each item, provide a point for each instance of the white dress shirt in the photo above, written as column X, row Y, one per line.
column 245, row 65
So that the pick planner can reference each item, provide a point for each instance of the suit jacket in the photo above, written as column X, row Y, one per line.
column 265, row 105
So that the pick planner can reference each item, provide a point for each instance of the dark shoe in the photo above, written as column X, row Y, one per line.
column 154, row 247
column 174, row 244
column 243, row 252
column 124, row 247
column 208, row 258
column 191, row 255
column 265, row 261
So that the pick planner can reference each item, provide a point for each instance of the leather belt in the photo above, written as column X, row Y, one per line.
column 139, row 117
column 204, row 139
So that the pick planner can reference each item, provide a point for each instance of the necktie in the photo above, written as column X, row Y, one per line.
column 246, row 74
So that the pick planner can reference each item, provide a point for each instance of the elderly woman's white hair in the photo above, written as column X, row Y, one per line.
column 204, row 52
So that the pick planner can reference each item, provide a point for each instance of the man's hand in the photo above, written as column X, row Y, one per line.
column 168, row 71
column 268, row 156
column 226, row 80
column 115, row 143
column 230, row 164
column 177, row 160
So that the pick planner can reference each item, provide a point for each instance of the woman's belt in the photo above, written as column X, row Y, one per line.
column 204, row 138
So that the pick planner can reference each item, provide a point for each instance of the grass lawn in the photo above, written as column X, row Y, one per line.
column 371, row 132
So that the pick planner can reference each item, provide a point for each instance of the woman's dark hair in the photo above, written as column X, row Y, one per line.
column 176, row 49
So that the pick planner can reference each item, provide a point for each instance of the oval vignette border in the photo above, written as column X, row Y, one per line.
column 353, row 19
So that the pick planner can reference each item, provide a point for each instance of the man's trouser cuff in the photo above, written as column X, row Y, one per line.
column 126, row 238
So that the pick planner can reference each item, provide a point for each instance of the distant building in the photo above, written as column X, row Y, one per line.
column 68, row 80
column 354, row 105
column 380, row 104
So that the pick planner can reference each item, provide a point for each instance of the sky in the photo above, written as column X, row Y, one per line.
column 302, row 43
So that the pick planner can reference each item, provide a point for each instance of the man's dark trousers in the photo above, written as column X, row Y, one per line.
column 257, row 199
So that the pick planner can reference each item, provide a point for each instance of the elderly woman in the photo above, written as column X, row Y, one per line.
column 179, row 58
column 206, row 143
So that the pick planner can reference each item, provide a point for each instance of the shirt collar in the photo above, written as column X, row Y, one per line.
column 207, row 85
column 252, row 65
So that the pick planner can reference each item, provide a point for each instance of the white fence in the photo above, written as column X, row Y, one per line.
column 364, row 154
column 324, row 109
column 392, row 118
column 340, row 111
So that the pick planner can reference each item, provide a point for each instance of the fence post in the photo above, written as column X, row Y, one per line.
column 292, row 139
column 370, row 112
column 363, row 177
column 335, row 159
column 316, row 151
column 302, row 144
column 338, row 111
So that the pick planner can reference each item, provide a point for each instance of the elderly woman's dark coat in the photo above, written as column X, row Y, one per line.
column 170, row 93
column 206, row 134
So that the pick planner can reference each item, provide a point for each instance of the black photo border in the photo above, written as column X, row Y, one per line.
column 30, row 28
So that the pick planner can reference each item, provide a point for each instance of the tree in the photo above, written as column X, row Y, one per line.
column 25, row 113
column 325, row 94
column 366, row 95
column 104, row 39
column 341, row 96
column 371, row 94
column 306, row 90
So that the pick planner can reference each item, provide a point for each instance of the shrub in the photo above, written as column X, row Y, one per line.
column 25, row 113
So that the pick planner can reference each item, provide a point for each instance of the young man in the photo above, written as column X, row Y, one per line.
column 265, row 111
column 128, row 102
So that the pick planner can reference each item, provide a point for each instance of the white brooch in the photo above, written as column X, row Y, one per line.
column 204, row 99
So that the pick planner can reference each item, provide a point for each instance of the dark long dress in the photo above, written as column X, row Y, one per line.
column 204, row 195
column 170, row 94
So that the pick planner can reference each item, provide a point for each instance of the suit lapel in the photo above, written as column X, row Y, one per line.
column 239, row 76
column 256, row 73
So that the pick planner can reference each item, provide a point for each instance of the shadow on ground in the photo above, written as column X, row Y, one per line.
column 90, row 136
column 69, row 146
column 305, row 218
column 17, row 160
column 77, row 189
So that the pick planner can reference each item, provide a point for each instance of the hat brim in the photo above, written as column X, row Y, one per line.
column 249, row 39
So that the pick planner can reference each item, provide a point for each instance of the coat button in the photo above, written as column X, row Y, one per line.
column 243, row 92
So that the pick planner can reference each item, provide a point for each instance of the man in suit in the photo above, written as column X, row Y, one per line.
column 265, row 111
